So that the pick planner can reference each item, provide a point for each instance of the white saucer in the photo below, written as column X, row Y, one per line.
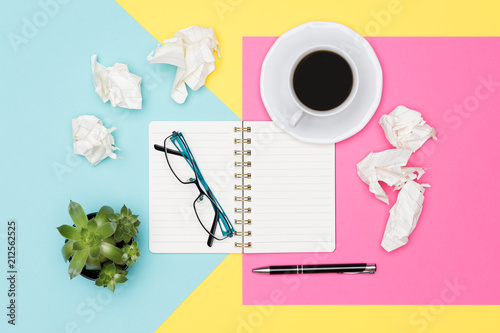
column 274, row 82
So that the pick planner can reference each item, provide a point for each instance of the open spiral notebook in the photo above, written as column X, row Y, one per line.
column 278, row 192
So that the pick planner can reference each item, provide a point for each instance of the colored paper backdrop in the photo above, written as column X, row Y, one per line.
column 45, row 66
column 47, row 81
column 455, row 84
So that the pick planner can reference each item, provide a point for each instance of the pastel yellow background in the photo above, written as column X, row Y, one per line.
column 216, row 305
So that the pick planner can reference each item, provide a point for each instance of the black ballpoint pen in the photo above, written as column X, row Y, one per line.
column 311, row 269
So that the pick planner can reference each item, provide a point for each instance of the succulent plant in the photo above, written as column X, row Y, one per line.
column 126, row 225
column 110, row 275
column 102, row 244
column 86, row 241
column 130, row 253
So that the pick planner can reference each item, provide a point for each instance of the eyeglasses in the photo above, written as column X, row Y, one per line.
column 207, row 209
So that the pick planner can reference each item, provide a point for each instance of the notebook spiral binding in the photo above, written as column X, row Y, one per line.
column 249, row 244
column 243, row 129
column 242, row 152
column 247, row 221
column 244, row 175
column 243, row 233
column 243, row 164
column 243, row 140
column 249, row 198
column 243, row 210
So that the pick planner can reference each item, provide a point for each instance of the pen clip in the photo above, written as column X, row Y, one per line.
column 364, row 272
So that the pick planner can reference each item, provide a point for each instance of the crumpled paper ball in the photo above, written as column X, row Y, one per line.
column 92, row 139
column 406, row 129
column 403, row 216
column 191, row 50
column 388, row 166
column 117, row 85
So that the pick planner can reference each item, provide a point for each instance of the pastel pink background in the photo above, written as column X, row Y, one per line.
column 457, row 240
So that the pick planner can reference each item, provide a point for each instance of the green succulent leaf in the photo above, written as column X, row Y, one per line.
column 92, row 226
column 118, row 235
column 109, row 269
column 84, row 233
column 120, row 278
column 112, row 285
column 106, row 230
column 133, row 232
column 102, row 215
column 110, row 240
column 99, row 282
column 93, row 264
column 79, row 246
column 111, row 252
column 77, row 215
column 67, row 250
column 124, row 211
column 127, row 238
column 95, row 251
column 133, row 218
column 69, row 232
column 77, row 263
column 114, row 217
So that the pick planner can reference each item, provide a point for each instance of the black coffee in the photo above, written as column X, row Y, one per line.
column 322, row 80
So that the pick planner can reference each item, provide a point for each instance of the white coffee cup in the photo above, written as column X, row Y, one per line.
column 303, row 109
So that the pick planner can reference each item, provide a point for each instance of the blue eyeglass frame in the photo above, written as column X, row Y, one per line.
column 220, row 217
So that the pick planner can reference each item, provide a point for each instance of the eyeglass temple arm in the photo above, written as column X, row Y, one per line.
column 169, row 151
column 210, row 240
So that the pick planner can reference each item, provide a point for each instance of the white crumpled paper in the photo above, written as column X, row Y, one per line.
column 405, row 128
column 117, row 85
column 389, row 167
column 92, row 139
column 407, row 131
column 404, row 215
column 191, row 50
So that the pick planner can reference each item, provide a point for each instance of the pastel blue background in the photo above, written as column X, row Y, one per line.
column 44, row 85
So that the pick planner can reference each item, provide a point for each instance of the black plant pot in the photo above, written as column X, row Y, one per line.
column 93, row 274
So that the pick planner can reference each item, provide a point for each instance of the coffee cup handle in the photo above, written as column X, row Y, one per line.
column 296, row 117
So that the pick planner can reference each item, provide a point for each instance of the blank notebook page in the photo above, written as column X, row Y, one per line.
column 173, row 226
column 293, row 192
